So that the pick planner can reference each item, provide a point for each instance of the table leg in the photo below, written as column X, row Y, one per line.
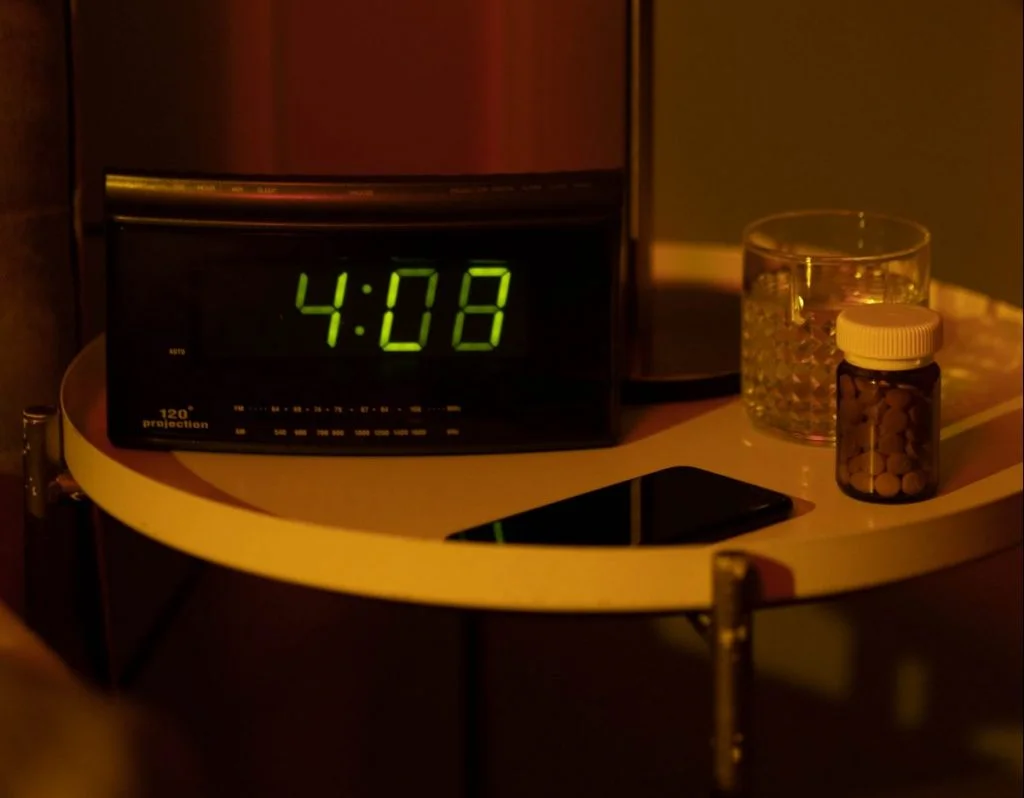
column 65, row 593
column 65, row 566
column 473, row 698
column 730, row 632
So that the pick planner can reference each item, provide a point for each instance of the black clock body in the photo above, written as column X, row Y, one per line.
column 364, row 316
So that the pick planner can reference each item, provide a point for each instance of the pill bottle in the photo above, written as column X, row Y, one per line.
column 887, row 402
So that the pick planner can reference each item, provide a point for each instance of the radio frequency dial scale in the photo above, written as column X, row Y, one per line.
column 413, row 315
column 298, row 424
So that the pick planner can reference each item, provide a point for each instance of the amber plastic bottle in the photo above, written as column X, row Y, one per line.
column 888, row 403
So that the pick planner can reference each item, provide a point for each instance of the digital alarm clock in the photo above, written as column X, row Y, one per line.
column 369, row 316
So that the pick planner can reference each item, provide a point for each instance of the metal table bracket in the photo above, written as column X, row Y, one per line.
column 47, row 480
column 730, row 632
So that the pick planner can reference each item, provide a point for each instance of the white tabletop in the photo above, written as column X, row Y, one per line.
column 375, row 526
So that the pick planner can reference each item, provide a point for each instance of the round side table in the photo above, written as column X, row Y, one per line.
column 375, row 526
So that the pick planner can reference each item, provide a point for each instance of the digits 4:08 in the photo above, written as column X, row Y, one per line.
column 494, row 271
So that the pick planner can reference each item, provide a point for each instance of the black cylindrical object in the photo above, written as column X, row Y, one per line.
column 37, row 287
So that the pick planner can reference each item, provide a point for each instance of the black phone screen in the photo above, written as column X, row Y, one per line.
column 675, row 506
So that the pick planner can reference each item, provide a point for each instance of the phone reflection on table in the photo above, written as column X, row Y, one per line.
column 676, row 506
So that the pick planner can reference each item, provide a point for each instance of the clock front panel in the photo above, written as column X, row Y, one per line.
column 373, row 339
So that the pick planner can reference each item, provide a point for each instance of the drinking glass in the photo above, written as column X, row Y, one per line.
column 800, row 270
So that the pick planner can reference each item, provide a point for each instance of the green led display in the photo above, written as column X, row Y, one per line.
column 389, row 315
column 495, row 271
column 334, row 311
column 496, row 311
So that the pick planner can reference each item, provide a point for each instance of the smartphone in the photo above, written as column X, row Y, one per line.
column 673, row 507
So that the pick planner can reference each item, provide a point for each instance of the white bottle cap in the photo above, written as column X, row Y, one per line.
column 889, row 336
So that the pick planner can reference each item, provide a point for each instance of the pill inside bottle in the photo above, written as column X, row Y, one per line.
column 887, row 403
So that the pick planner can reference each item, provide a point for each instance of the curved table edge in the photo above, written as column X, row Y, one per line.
column 525, row 578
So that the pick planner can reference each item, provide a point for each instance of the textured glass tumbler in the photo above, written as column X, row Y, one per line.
column 800, row 271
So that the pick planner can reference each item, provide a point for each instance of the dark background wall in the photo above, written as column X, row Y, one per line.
column 910, row 107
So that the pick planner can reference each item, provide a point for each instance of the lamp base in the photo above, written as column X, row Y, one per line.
column 693, row 346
